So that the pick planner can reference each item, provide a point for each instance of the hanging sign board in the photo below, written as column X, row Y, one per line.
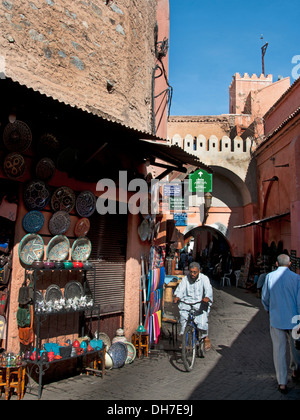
column 180, row 219
column 200, row 181
column 178, row 203
column 172, row 190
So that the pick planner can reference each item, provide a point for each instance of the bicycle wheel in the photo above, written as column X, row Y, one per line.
column 188, row 348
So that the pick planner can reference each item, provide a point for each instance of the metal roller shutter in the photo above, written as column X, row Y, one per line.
column 108, row 234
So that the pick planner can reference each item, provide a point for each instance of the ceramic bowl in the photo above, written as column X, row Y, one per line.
column 37, row 264
column 68, row 264
column 49, row 264
column 87, row 265
column 108, row 362
column 77, row 264
column 59, row 265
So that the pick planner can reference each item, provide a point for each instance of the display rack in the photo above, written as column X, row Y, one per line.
column 43, row 318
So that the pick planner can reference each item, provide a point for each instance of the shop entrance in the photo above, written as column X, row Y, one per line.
column 211, row 249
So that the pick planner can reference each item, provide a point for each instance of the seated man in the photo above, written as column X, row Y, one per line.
column 195, row 287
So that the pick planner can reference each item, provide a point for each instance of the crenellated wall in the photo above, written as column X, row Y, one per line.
column 233, row 154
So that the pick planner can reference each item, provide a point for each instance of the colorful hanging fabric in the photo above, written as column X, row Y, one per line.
column 156, row 280
column 157, row 257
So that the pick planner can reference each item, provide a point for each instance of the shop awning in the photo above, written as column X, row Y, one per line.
column 98, row 137
column 172, row 154
column 261, row 221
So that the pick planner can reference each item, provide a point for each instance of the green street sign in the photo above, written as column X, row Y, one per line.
column 200, row 181
column 178, row 203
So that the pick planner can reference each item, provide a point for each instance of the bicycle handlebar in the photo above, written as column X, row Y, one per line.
column 191, row 304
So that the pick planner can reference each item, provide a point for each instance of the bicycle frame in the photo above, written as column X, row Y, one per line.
column 189, row 349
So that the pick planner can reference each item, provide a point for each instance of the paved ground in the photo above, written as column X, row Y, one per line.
column 238, row 367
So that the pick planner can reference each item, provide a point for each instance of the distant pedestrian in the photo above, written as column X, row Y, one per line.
column 281, row 298
column 183, row 260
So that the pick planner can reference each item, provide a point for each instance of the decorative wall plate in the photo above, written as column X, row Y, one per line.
column 82, row 227
column 73, row 289
column 53, row 293
column 48, row 145
column 118, row 353
column 143, row 230
column 85, row 204
column 14, row 165
column 36, row 195
column 59, row 223
column 108, row 361
column 39, row 298
column 45, row 169
column 33, row 221
column 17, row 136
column 31, row 248
column 63, row 199
column 81, row 249
column 105, row 338
column 131, row 352
column 58, row 248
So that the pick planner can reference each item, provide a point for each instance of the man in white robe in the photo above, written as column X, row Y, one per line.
column 195, row 287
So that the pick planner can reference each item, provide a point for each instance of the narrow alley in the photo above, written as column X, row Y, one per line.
column 238, row 367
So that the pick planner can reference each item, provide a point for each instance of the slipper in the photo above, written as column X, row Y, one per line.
column 207, row 344
column 283, row 390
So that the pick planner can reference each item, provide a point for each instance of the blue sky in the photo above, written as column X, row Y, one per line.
column 212, row 40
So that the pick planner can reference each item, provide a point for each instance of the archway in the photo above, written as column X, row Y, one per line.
column 211, row 249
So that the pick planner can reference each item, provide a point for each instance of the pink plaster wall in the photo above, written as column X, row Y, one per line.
column 283, row 195
column 240, row 88
column 161, row 102
column 285, row 107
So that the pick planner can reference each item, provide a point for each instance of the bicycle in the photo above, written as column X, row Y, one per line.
column 192, row 340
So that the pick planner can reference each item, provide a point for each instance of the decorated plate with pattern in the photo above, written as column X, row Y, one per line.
column 82, row 227
column 58, row 248
column 73, row 289
column 106, row 340
column 59, row 223
column 118, row 353
column 53, row 293
column 45, row 169
column 131, row 352
column 31, row 248
column 17, row 136
column 36, row 195
column 14, row 165
column 85, row 204
column 81, row 249
column 64, row 199
column 33, row 221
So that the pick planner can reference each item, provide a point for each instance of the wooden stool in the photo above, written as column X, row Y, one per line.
column 15, row 378
column 98, row 365
column 2, row 380
column 141, row 343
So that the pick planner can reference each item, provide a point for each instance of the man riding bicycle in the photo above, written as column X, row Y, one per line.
column 195, row 287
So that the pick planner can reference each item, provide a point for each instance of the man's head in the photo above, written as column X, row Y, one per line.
column 283, row 260
column 194, row 269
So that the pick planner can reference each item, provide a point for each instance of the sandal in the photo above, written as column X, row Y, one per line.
column 207, row 344
column 283, row 390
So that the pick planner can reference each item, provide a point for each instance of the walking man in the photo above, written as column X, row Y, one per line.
column 281, row 298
